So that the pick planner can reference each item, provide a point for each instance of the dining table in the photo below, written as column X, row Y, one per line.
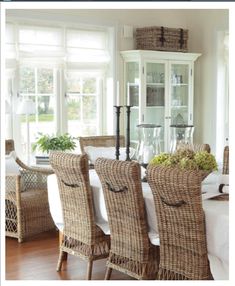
column 216, row 217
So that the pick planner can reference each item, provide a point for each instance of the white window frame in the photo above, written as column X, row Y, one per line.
column 108, row 85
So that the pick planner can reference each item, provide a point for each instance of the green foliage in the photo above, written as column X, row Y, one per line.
column 187, row 160
column 46, row 142
column 159, row 159
column 205, row 161
column 188, row 164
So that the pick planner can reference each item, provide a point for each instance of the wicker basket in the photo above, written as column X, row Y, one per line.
column 162, row 39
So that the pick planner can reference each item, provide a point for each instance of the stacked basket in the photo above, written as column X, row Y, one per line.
column 162, row 39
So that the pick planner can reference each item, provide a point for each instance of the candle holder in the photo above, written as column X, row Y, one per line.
column 149, row 144
column 118, row 111
column 180, row 133
column 128, row 112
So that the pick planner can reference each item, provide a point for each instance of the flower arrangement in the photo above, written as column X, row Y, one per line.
column 186, row 159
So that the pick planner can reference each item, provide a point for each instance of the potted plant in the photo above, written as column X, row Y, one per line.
column 45, row 143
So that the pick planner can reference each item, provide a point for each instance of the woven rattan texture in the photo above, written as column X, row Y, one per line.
column 181, row 223
column 226, row 160
column 82, row 237
column 100, row 141
column 26, row 202
column 131, row 251
column 162, row 39
column 196, row 147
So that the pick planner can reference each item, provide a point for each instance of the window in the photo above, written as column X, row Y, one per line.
column 66, row 72
column 37, row 84
column 83, row 101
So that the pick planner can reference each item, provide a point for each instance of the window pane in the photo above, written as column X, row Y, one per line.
column 45, row 117
column 23, row 131
column 82, row 106
column 73, row 83
column 89, row 130
column 89, row 85
column 27, row 80
column 74, row 107
column 89, row 108
column 45, row 81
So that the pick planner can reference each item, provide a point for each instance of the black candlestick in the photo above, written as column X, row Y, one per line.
column 128, row 112
column 118, row 110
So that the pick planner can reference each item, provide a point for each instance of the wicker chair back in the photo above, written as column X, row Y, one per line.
column 226, row 160
column 181, row 223
column 81, row 236
column 100, row 141
column 131, row 251
column 196, row 147
column 76, row 196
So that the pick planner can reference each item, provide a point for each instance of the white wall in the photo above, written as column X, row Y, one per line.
column 203, row 26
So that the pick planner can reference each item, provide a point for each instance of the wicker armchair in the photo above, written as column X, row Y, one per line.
column 26, row 202
column 81, row 236
column 226, row 161
column 131, row 251
column 100, row 141
column 181, row 223
column 196, row 147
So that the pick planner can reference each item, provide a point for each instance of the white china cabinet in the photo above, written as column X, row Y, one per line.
column 159, row 87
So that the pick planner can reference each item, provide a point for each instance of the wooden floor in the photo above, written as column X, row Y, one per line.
column 36, row 259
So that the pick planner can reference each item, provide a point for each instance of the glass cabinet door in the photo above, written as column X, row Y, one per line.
column 179, row 95
column 133, row 87
column 155, row 97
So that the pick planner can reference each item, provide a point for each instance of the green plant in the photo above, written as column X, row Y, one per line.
column 187, row 160
column 46, row 142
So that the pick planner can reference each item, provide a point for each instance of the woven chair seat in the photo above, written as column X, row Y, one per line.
column 29, row 201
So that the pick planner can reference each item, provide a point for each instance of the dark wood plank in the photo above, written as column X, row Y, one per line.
column 36, row 259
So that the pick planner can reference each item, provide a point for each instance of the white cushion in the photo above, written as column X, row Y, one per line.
column 11, row 166
column 106, row 152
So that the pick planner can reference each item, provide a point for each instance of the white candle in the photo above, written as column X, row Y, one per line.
column 118, row 95
column 128, row 100
column 146, row 154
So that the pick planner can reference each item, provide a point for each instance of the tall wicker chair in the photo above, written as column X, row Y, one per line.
column 181, row 223
column 26, row 201
column 131, row 251
column 196, row 147
column 226, row 160
column 100, row 141
column 82, row 237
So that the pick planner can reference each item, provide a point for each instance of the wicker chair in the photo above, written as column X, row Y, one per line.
column 226, row 160
column 26, row 202
column 100, row 141
column 196, row 147
column 181, row 223
column 131, row 251
column 82, row 237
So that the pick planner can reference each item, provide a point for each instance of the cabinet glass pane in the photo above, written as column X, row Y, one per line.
column 155, row 97
column 179, row 93
column 132, row 72
column 134, row 121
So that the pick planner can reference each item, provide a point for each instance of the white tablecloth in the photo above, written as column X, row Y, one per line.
column 216, row 213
